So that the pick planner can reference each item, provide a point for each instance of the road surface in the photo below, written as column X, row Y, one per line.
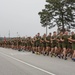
column 13, row 62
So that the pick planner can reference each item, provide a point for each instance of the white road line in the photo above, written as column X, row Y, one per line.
column 28, row 64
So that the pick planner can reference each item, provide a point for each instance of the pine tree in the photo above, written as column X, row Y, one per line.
column 60, row 13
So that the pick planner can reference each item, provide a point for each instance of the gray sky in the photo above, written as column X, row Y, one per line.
column 21, row 16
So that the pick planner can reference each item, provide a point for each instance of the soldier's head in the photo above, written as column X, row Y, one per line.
column 54, row 33
column 50, row 34
column 44, row 35
column 61, row 33
column 72, row 33
column 38, row 34
column 66, row 32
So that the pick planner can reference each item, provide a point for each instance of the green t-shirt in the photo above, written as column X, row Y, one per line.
column 55, row 39
column 65, row 38
column 60, row 37
column 38, row 39
column 73, row 37
column 48, row 38
column 43, row 39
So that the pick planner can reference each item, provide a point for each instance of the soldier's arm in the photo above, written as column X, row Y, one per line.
column 62, row 39
column 70, row 39
column 46, row 40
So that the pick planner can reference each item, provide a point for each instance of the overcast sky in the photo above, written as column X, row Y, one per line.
column 21, row 16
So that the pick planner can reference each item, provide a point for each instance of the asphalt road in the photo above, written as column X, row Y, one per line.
column 13, row 62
